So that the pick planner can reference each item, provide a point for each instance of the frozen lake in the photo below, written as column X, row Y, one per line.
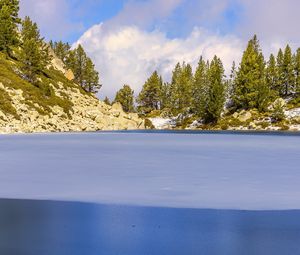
column 162, row 169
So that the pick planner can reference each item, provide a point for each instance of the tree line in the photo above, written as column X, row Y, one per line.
column 21, row 40
column 205, row 93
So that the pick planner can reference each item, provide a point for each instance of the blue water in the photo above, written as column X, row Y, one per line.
column 59, row 228
column 141, row 193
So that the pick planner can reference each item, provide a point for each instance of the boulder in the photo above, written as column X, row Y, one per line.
column 244, row 116
column 69, row 75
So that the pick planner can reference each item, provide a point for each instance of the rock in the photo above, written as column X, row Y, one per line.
column 117, row 107
column 69, row 75
column 279, row 102
column 244, row 116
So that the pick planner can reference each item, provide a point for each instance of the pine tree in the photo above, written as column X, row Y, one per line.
column 250, row 88
column 34, row 54
column 297, row 70
column 271, row 73
column 83, row 68
column 199, row 89
column 181, row 88
column 9, row 21
column 125, row 97
column 174, row 88
column 90, row 77
column 215, row 92
column 80, row 58
column 150, row 97
column 165, row 96
column 61, row 50
column 287, row 73
column 107, row 101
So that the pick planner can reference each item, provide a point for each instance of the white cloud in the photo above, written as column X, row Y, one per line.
column 274, row 21
column 52, row 16
column 128, row 55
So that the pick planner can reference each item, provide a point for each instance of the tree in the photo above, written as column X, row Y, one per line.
column 181, row 88
column 250, row 88
column 215, row 97
column 271, row 73
column 107, row 101
column 84, row 69
column 199, row 89
column 287, row 73
column 9, row 21
column 297, row 70
column 165, row 96
column 125, row 97
column 90, row 77
column 34, row 54
column 61, row 50
column 150, row 97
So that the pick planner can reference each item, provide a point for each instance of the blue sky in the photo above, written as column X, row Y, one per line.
column 129, row 39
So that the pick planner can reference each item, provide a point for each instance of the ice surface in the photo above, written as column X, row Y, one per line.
column 217, row 171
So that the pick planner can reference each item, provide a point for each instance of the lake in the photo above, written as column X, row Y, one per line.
column 150, row 193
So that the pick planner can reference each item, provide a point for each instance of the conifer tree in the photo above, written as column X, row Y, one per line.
column 165, row 96
column 9, row 21
column 107, row 101
column 61, row 50
column 181, row 87
column 199, row 88
column 297, row 70
column 287, row 73
column 79, row 65
column 90, row 77
column 125, row 97
column 34, row 54
column 83, row 68
column 215, row 97
column 280, row 72
column 250, row 88
column 271, row 73
column 150, row 97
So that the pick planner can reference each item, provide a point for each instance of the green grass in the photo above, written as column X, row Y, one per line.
column 40, row 96
column 6, row 105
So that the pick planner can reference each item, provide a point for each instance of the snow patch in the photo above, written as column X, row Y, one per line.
column 293, row 113
column 163, row 123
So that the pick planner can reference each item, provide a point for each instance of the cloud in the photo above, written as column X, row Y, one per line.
column 128, row 55
column 274, row 21
column 52, row 16
column 143, row 13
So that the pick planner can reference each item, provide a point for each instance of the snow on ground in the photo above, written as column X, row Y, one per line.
column 293, row 113
column 216, row 171
column 163, row 123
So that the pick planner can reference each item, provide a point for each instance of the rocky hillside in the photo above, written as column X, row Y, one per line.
column 56, row 104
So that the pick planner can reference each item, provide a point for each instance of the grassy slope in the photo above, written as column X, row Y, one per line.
column 42, row 94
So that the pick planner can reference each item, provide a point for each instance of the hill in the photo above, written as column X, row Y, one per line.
column 55, row 104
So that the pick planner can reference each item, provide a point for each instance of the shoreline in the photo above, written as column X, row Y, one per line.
column 170, row 131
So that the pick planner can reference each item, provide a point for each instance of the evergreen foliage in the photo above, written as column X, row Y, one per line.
column 250, row 87
column 107, row 101
column 9, row 21
column 215, row 92
column 199, row 88
column 287, row 73
column 125, row 97
column 61, row 50
column 181, row 88
column 150, row 97
column 83, row 67
column 297, row 71
column 34, row 54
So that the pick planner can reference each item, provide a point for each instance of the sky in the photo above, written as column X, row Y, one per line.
column 129, row 39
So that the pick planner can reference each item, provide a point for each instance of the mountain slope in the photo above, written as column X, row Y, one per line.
column 55, row 104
